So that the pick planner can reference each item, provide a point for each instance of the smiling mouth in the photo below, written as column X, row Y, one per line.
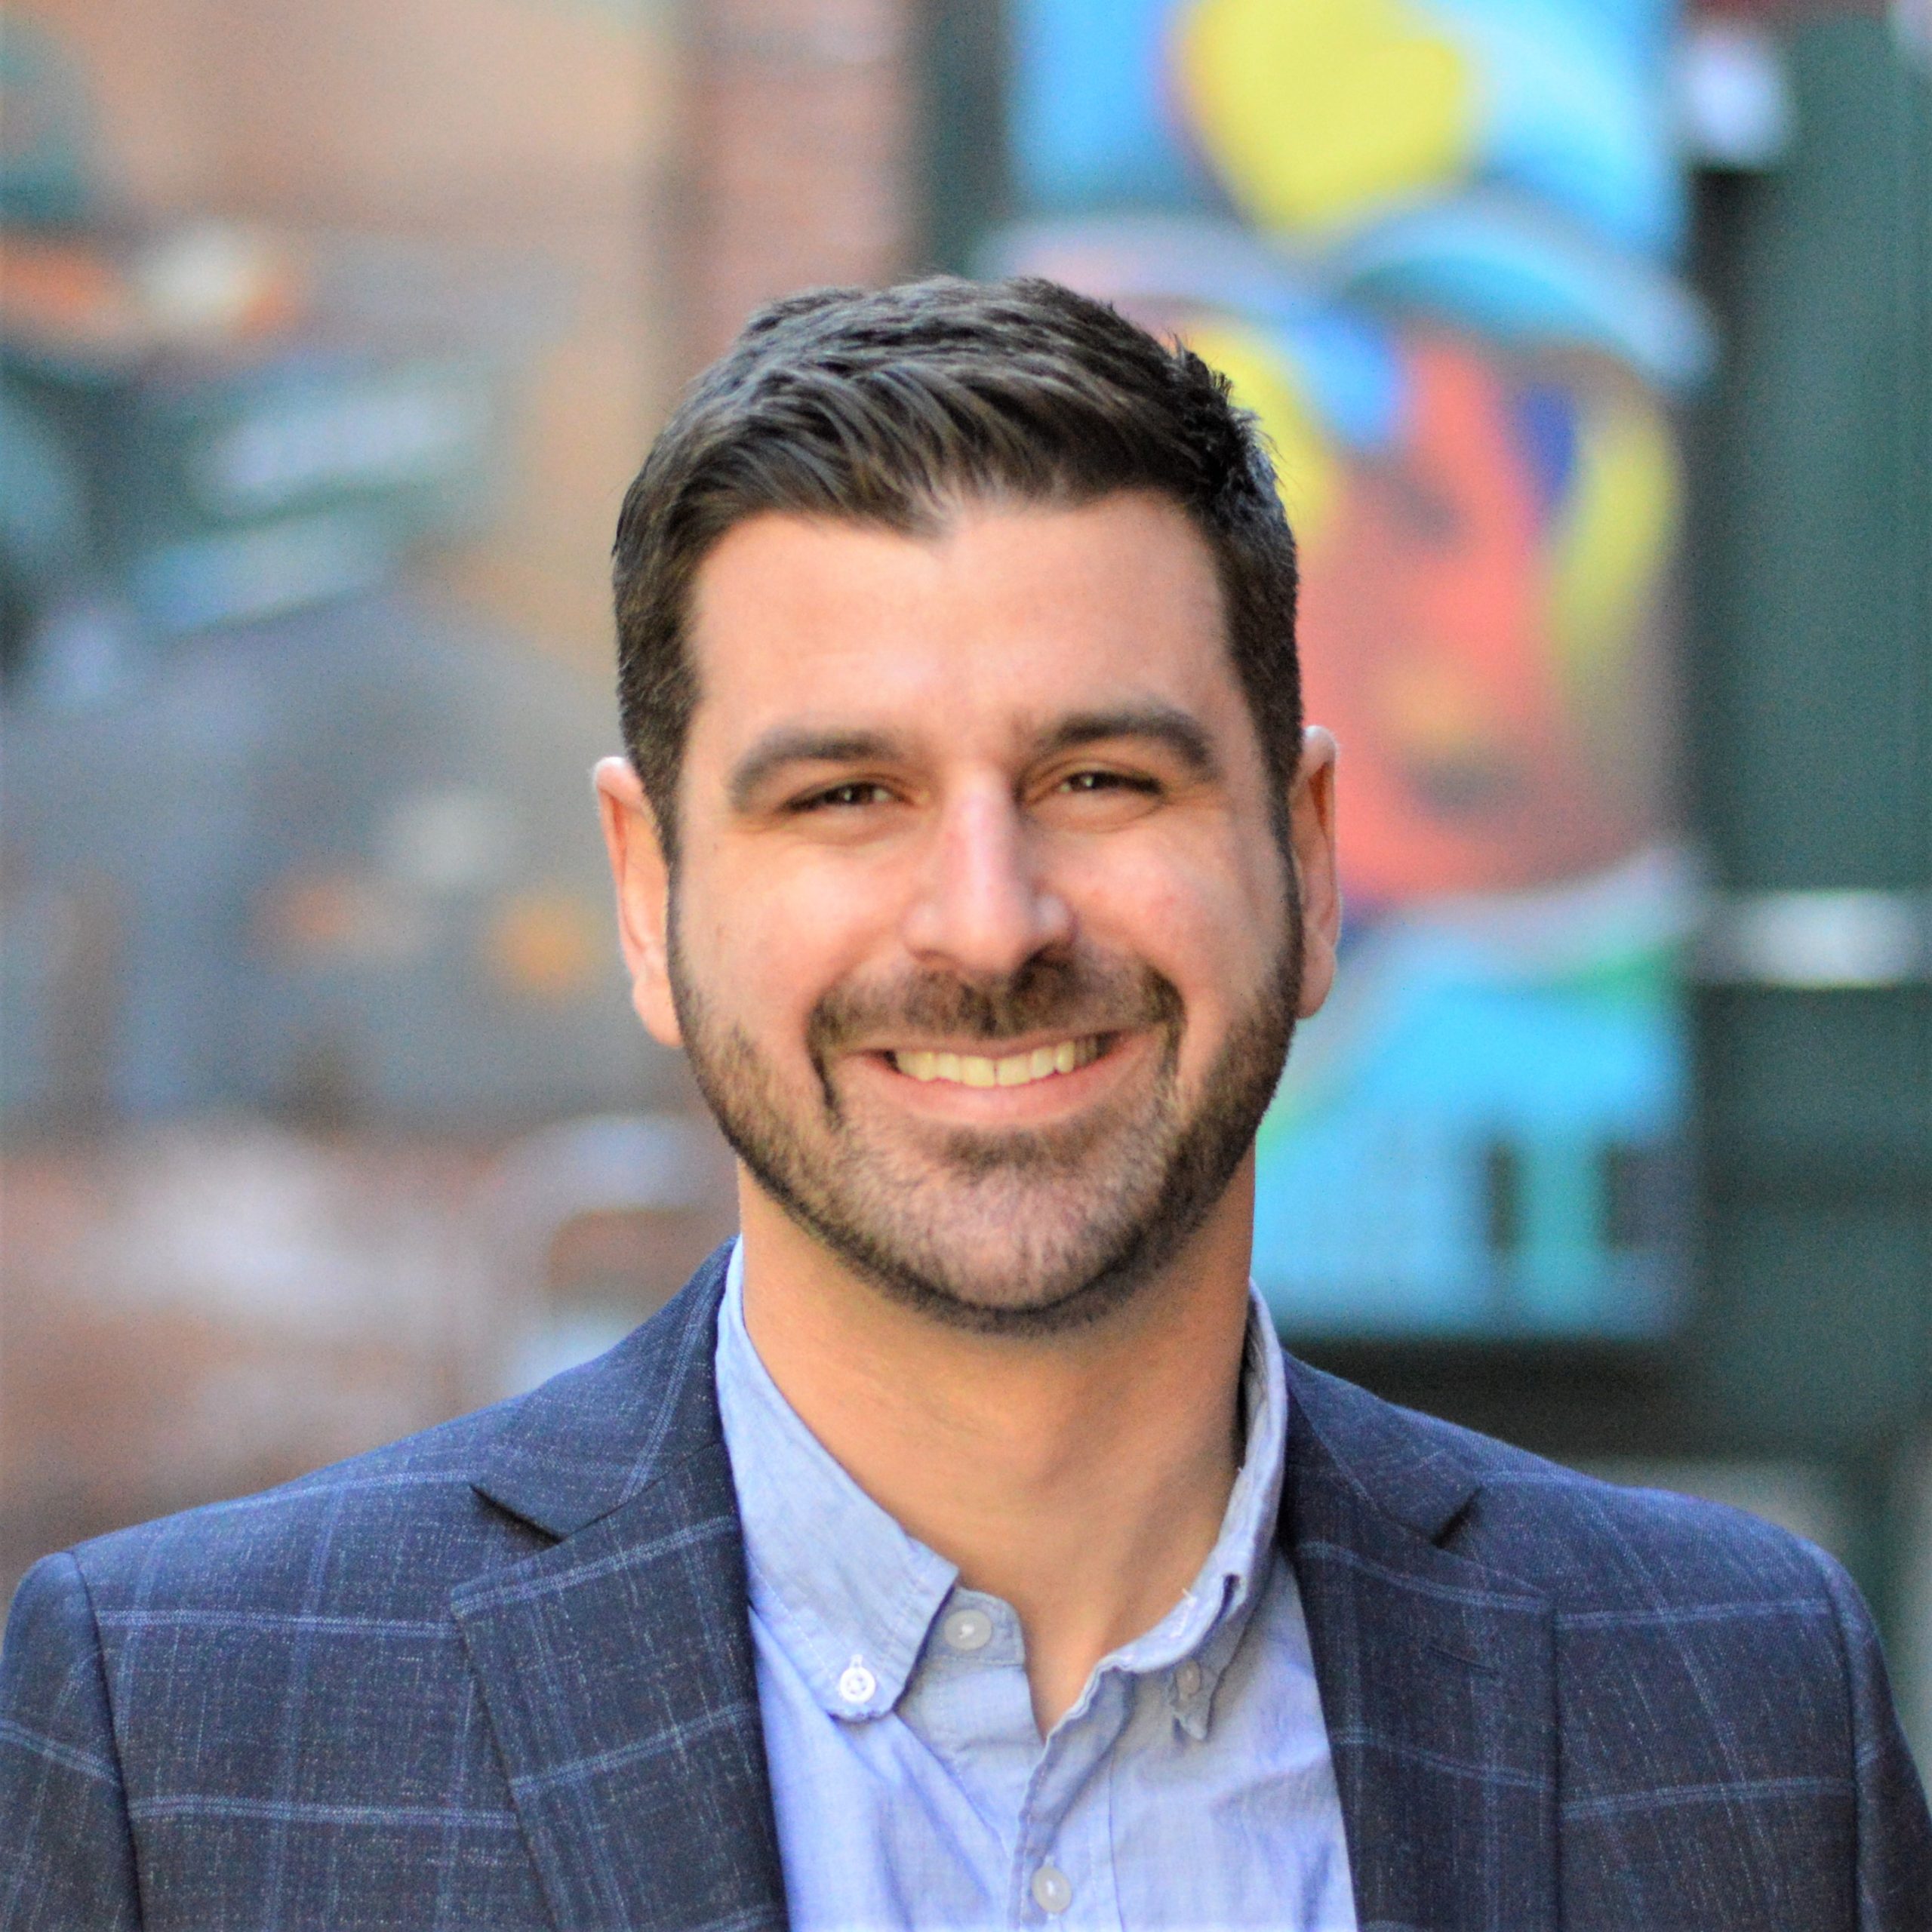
column 1013, row 1070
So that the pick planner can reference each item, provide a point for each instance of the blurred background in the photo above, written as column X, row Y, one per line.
column 1594, row 339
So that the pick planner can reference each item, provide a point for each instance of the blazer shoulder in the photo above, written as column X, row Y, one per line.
column 1598, row 1546
column 1588, row 1544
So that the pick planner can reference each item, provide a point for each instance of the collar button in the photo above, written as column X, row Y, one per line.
column 968, row 1630
column 856, row 1685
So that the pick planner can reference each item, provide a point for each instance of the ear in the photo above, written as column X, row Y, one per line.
column 642, row 877
column 1311, row 821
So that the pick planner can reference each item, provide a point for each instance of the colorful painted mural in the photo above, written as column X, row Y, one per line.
column 1432, row 244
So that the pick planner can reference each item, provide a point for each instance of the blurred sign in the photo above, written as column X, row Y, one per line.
column 1432, row 243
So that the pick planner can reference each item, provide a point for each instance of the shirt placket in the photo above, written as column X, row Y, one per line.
column 1063, row 1874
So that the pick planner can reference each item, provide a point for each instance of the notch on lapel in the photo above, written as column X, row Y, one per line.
column 616, row 1665
column 1437, row 1675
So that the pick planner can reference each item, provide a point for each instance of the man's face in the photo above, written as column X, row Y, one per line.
column 980, row 940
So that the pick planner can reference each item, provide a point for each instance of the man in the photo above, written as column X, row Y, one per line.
column 959, row 1549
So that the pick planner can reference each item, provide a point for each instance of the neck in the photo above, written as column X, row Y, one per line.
column 1082, row 1477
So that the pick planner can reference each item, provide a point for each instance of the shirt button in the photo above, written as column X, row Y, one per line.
column 1052, row 1890
column 1187, row 1679
column 857, row 1684
column 969, row 1629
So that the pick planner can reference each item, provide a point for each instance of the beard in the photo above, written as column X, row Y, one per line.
column 1014, row 1232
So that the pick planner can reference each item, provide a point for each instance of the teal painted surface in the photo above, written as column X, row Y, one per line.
column 1818, row 604
column 1811, row 692
column 1449, row 1139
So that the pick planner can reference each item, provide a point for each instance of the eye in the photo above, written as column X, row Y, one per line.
column 1090, row 783
column 859, row 791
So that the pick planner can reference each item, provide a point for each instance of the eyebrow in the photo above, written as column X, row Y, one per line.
column 792, row 744
column 1164, row 723
column 788, row 745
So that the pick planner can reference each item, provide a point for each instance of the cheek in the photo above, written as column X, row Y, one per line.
column 1207, row 912
column 766, row 943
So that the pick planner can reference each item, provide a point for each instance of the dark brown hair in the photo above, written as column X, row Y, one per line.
column 891, row 407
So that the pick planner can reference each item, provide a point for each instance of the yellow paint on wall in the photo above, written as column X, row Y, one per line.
column 1318, row 113
column 1614, row 537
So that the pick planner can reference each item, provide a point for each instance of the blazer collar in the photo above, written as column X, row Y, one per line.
column 1407, row 1468
column 588, row 1440
column 1436, row 1674
column 616, row 1665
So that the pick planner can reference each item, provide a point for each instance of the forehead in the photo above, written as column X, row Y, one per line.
column 1007, row 612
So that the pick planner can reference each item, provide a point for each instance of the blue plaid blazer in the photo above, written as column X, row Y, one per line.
column 501, row 1675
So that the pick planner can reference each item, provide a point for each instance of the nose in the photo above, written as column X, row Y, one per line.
column 981, row 905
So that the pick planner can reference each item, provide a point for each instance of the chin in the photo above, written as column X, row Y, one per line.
column 1013, row 1272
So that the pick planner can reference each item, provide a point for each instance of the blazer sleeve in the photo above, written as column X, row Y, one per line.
column 66, row 1851
column 1894, row 1832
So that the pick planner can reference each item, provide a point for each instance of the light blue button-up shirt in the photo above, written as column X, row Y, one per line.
column 1188, row 1789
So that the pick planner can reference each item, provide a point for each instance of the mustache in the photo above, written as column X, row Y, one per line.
column 1076, row 995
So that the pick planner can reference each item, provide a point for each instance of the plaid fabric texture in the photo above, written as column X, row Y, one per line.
column 501, row 1675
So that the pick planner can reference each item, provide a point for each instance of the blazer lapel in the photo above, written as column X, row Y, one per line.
column 1437, row 1675
column 617, row 1665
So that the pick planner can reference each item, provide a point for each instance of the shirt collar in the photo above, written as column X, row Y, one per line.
column 844, row 1589
column 851, row 1597
column 1204, row 1628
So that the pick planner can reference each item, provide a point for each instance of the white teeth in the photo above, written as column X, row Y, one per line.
column 1014, row 1070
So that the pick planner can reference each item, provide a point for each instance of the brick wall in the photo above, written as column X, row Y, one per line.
column 800, row 134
